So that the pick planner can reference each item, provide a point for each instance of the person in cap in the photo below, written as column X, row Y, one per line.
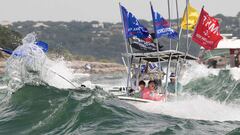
column 173, row 86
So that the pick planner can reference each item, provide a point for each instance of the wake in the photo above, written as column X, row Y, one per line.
column 194, row 107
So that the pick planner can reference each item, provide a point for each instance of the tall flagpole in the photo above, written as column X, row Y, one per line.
column 178, row 22
column 169, row 18
column 178, row 43
column 187, row 2
column 178, row 26
column 193, row 33
column 179, row 37
column 155, row 31
column 170, row 56
column 126, row 45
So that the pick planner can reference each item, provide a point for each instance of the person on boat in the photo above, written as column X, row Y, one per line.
column 150, row 93
column 173, row 86
column 237, row 59
column 208, row 59
column 221, row 61
column 142, row 86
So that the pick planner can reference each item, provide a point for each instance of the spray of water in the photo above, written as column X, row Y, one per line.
column 235, row 73
column 198, row 107
column 195, row 106
column 196, row 71
column 29, row 64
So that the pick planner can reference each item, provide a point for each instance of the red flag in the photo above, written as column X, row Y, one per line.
column 207, row 32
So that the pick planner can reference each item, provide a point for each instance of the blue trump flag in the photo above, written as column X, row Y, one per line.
column 161, row 26
column 132, row 26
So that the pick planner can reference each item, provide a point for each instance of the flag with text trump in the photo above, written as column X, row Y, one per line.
column 207, row 31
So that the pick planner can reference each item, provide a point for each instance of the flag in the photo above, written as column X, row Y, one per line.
column 132, row 26
column 161, row 26
column 207, row 31
column 192, row 18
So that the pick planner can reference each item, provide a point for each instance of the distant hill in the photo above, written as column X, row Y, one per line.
column 103, row 40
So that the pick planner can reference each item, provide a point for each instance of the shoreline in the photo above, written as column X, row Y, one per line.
column 79, row 66
column 96, row 67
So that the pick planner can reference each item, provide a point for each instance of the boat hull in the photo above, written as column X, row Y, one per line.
column 139, row 100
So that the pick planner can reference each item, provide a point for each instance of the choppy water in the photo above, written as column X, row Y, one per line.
column 48, row 110
column 45, row 103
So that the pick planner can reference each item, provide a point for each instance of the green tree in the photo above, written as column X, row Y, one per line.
column 9, row 39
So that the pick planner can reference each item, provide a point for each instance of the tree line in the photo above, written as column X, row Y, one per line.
column 95, row 40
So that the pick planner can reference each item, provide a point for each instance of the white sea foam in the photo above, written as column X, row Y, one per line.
column 235, row 73
column 196, row 71
column 194, row 107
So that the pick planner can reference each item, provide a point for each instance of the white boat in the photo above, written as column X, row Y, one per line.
column 149, row 63
column 227, row 54
column 134, row 100
column 166, row 57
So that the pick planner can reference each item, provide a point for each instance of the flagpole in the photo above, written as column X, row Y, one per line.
column 187, row 2
column 170, row 56
column 169, row 17
column 188, row 44
column 159, row 61
column 126, row 46
column 193, row 33
column 178, row 43
column 179, row 30
column 177, row 14
column 179, row 37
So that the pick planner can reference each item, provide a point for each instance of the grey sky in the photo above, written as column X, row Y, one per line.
column 102, row 10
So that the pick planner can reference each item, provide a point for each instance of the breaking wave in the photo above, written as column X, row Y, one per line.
column 29, row 65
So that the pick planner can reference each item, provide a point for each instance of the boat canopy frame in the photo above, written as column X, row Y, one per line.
column 167, row 56
column 164, row 56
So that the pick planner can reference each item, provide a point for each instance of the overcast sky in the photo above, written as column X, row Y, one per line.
column 102, row 10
